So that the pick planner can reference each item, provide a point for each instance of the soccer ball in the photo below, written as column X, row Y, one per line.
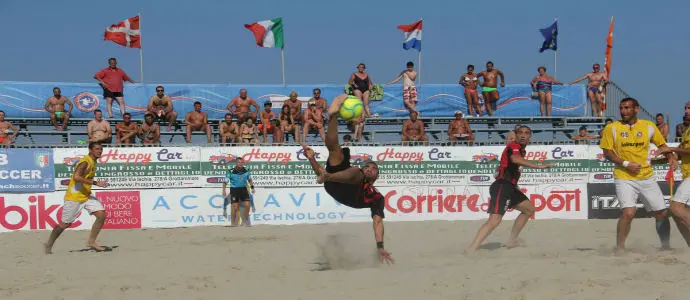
column 352, row 108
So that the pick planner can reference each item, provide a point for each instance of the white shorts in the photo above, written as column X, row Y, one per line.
column 628, row 191
column 683, row 192
column 71, row 209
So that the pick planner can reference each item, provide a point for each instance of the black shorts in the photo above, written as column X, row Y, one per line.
column 239, row 194
column 350, row 195
column 108, row 94
column 504, row 195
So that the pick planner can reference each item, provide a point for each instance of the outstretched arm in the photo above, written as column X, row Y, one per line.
column 580, row 79
column 384, row 255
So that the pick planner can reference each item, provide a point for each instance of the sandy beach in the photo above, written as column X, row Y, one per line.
column 560, row 259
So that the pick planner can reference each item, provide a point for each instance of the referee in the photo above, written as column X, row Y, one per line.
column 238, row 178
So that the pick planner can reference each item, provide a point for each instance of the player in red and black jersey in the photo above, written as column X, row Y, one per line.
column 351, row 186
column 505, row 193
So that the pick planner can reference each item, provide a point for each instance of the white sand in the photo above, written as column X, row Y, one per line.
column 560, row 260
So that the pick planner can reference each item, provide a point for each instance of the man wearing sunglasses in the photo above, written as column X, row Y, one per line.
column 161, row 106
column 595, row 84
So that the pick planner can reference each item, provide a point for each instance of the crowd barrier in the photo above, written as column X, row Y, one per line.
column 27, row 99
column 167, row 187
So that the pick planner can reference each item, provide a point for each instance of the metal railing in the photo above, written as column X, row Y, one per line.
column 614, row 95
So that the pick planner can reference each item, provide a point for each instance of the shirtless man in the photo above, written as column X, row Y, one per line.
column 321, row 103
column 583, row 135
column 408, row 77
column 313, row 120
column 268, row 123
column 459, row 129
column 126, row 131
column 511, row 135
column 5, row 129
column 470, row 81
column 595, row 83
column 229, row 130
column 161, row 106
column 197, row 121
column 98, row 129
column 413, row 130
column 149, row 132
column 55, row 105
column 295, row 107
column 680, row 128
column 242, row 105
column 663, row 127
column 489, row 87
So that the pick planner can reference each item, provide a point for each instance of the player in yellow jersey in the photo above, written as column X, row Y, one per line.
column 681, row 200
column 78, row 196
column 626, row 144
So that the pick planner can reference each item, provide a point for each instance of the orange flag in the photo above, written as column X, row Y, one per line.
column 607, row 59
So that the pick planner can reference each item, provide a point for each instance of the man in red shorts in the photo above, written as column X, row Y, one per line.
column 351, row 186
column 505, row 192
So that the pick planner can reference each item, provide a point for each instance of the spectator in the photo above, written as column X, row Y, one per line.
column 126, row 131
column 583, row 135
column 595, row 83
column 361, row 86
column 287, row 123
column 6, row 128
column 608, row 121
column 161, row 106
column 347, row 140
column 321, row 103
column 268, row 124
column 55, row 105
column 680, row 128
column 470, row 81
column 98, row 129
column 295, row 108
column 490, row 86
column 408, row 77
column 356, row 126
column 413, row 130
column 197, row 121
column 542, row 85
column 511, row 135
column 663, row 127
column 242, row 105
column 229, row 131
column 249, row 132
column 459, row 129
column 313, row 120
column 111, row 80
column 149, row 132
column 238, row 177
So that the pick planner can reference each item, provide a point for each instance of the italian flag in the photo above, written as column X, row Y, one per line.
column 268, row 33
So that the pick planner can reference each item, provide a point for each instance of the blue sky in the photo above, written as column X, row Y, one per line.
column 205, row 42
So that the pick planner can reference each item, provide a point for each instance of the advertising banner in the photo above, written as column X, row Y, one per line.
column 135, row 168
column 601, row 170
column 26, row 170
column 604, row 203
column 43, row 211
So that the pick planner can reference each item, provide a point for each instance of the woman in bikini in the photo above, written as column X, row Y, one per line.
column 470, row 81
column 287, row 124
column 361, row 84
column 249, row 132
column 542, row 84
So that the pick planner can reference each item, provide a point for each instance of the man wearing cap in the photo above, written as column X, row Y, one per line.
column 459, row 129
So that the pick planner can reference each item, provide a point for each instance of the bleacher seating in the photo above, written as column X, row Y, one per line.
column 487, row 130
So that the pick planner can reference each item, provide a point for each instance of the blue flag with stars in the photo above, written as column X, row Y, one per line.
column 550, row 37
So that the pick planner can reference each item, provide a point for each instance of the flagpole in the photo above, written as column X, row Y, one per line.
column 282, row 63
column 419, row 62
column 141, row 51
column 555, row 59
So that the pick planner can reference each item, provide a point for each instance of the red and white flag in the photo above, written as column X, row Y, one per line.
column 126, row 33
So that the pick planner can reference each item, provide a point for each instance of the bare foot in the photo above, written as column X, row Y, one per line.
column 469, row 250
column 334, row 109
column 95, row 247
column 511, row 244
column 169, row 127
column 47, row 249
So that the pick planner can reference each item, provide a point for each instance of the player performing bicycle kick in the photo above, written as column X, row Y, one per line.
column 505, row 192
column 351, row 186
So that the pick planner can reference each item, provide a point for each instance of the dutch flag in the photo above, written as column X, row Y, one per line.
column 412, row 35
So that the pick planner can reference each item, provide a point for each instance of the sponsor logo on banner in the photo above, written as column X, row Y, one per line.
column 146, row 167
column 26, row 170
column 480, row 178
column 86, row 102
column 273, row 206
column 604, row 203
column 122, row 208
column 34, row 212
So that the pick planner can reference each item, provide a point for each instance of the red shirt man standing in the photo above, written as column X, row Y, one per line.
column 111, row 79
